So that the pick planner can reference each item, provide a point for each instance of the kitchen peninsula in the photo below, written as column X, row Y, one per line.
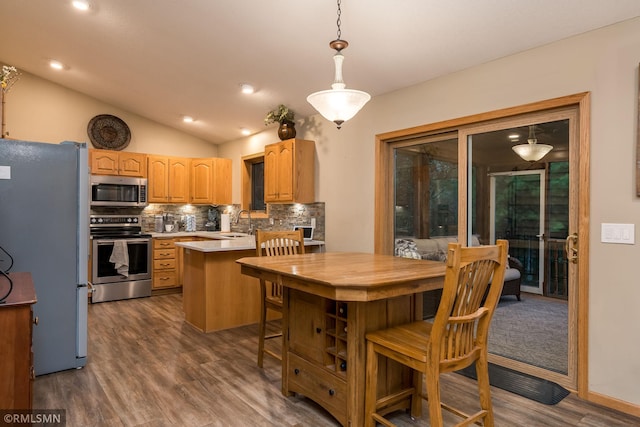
column 216, row 295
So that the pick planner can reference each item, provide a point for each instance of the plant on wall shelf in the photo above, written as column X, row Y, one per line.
column 8, row 77
column 281, row 114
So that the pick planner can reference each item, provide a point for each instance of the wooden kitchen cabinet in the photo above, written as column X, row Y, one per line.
column 122, row 163
column 168, row 180
column 289, row 172
column 211, row 181
column 166, row 268
column 16, row 354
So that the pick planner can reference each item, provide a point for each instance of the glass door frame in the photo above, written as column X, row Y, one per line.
column 541, row 241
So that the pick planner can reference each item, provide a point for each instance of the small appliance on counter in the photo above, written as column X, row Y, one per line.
column 213, row 223
column 189, row 222
column 158, row 223
column 170, row 224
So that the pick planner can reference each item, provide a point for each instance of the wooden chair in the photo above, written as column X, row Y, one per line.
column 274, row 243
column 456, row 339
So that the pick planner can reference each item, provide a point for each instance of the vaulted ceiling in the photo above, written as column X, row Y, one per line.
column 163, row 59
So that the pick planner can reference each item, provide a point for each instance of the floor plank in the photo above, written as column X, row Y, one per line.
column 147, row 367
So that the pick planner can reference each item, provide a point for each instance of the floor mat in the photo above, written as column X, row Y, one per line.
column 543, row 391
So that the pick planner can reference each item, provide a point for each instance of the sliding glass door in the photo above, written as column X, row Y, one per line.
column 464, row 181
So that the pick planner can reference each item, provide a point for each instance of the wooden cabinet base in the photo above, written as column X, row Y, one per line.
column 325, row 350
column 215, row 295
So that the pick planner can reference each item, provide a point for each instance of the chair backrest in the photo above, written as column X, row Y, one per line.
column 461, row 326
column 275, row 243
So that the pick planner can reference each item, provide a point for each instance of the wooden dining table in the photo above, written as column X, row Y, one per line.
column 330, row 301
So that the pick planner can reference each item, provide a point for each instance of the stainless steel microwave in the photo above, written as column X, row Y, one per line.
column 118, row 191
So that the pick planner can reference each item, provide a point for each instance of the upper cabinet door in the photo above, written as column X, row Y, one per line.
column 132, row 164
column 201, row 180
column 108, row 162
column 158, row 180
column 178, row 180
column 271, row 173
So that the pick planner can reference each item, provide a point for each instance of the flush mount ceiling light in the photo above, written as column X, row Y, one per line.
column 247, row 88
column 56, row 65
column 532, row 151
column 338, row 104
column 80, row 5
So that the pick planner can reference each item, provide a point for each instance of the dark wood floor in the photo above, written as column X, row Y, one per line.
column 146, row 367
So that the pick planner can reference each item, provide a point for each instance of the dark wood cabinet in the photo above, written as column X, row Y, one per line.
column 16, row 354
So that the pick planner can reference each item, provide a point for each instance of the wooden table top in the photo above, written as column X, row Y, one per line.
column 348, row 276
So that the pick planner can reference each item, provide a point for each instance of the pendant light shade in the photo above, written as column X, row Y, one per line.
column 532, row 151
column 338, row 104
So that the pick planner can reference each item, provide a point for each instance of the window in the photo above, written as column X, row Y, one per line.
column 253, row 184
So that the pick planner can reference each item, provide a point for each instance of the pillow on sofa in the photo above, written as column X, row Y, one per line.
column 406, row 248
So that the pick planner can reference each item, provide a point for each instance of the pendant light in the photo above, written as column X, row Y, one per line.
column 338, row 104
column 532, row 151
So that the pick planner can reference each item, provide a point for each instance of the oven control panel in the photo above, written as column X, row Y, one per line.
column 117, row 220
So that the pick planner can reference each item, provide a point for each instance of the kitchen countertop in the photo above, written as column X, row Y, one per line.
column 205, row 234
column 221, row 242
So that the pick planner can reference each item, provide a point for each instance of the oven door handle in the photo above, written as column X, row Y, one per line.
column 111, row 241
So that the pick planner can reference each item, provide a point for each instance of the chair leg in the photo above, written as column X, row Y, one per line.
column 432, row 380
column 484, row 388
column 371, row 385
column 416, row 399
column 263, row 324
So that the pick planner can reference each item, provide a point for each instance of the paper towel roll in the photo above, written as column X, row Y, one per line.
column 225, row 223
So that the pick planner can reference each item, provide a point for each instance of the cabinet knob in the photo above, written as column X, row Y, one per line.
column 36, row 320
column 318, row 330
column 332, row 392
column 296, row 371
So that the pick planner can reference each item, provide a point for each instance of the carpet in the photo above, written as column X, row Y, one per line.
column 533, row 331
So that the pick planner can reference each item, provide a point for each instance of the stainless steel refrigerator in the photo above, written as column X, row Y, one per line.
column 44, row 213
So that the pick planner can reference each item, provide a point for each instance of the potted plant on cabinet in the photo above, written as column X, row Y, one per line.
column 284, row 116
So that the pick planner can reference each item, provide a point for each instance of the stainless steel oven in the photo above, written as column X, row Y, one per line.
column 120, row 258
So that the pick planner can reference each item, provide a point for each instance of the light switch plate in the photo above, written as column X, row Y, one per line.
column 5, row 172
column 618, row 233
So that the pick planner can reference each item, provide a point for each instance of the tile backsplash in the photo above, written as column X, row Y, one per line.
column 281, row 216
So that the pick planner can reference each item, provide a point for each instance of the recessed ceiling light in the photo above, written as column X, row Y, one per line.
column 80, row 5
column 56, row 65
column 245, row 131
column 188, row 119
column 514, row 136
column 247, row 88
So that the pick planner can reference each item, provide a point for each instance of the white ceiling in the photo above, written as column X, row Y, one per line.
column 163, row 59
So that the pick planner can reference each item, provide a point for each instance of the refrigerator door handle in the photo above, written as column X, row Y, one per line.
column 81, row 338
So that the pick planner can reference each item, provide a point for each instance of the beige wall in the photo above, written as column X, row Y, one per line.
column 37, row 110
column 604, row 62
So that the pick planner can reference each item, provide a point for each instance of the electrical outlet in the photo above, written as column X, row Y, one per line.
column 313, row 222
column 618, row 233
column 271, row 221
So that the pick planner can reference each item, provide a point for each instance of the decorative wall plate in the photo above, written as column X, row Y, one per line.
column 108, row 132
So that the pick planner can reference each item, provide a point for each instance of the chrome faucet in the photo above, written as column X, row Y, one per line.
column 248, row 216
